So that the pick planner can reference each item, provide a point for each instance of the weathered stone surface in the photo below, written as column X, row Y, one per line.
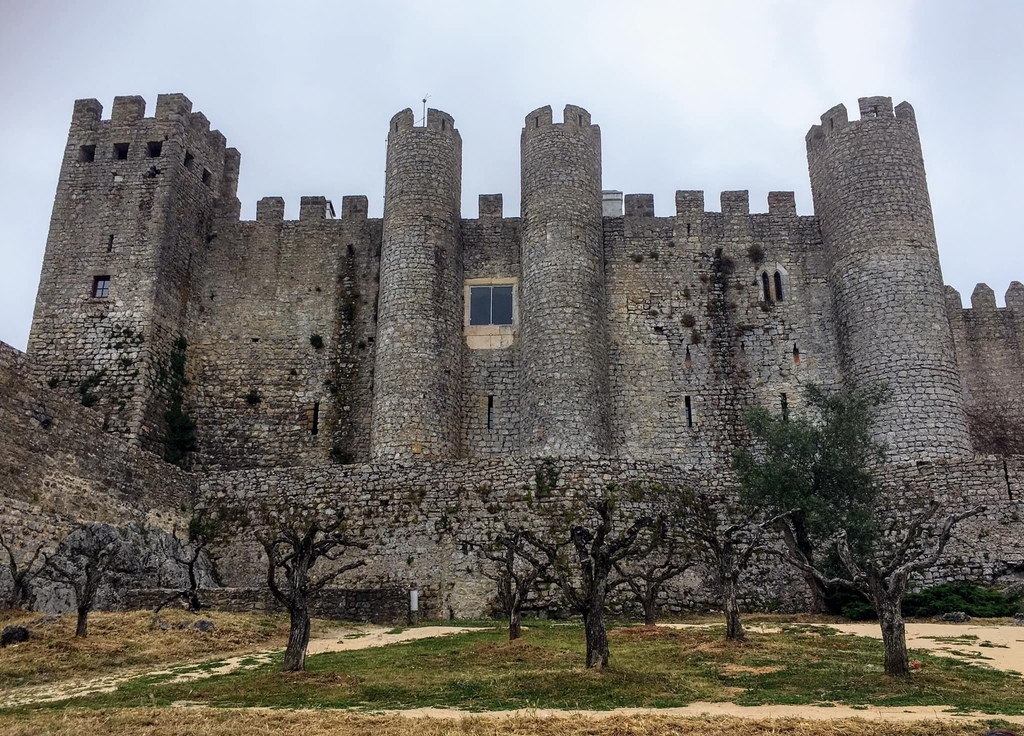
column 330, row 360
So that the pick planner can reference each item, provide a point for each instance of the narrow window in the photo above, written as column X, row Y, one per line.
column 101, row 286
column 121, row 151
column 689, row 411
column 154, row 149
column 110, row 243
column 87, row 154
column 831, row 124
column 778, row 286
column 443, row 123
column 687, row 228
column 765, row 287
column 536, row 122
column 206, row 177
column 580, row 117
column 490, row 412
column 796, row 354
column 315, row 427
column 687, row 362
column 189, row 158
column 785, row 407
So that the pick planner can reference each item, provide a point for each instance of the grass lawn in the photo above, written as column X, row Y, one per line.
column 657, row 667
column 118, row 641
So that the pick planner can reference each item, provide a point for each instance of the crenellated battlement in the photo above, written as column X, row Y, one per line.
column 573, row 118
column 836, row 119
column 312, row 209
column 437, row 121
column 983, row 300
column 129, row 135
column 690, row 204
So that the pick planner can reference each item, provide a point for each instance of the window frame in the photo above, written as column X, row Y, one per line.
column 490, row 336
column 100, row 283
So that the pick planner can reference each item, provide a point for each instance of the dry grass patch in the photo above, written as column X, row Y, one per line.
column 218, row 722
column 123, row 640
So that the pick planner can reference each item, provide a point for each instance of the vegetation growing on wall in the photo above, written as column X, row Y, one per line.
column 180, row 427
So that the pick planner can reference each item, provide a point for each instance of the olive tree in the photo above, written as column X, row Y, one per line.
column 583, row 555
column 881, row 566
column 297, row 539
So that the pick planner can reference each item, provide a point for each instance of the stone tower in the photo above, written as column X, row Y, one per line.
column 870, row 193
column 136, row 206
column 564, row 352
column 416, row 391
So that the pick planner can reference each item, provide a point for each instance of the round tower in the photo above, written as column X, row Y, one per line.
column 419, row 329
column 563, row 361
column 871, row 197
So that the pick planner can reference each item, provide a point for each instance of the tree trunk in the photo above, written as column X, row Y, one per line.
column 597, row 637
column 194, row 604
column 298, row 639
column 650, row 610
column 515, row 624
column 733, row 627
column 82, row 627
column 819, row 595
column 894, row 636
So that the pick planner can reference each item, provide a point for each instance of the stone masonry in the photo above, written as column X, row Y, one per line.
column 414, row 370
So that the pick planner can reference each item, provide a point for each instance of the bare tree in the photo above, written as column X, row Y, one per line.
column 516, row 571
column 192, row 552
column 880, row 571
column 83, row 561
column 728, row 547
column 583, row 563
column 295, row 539
column 22, row 570
column 646, row 576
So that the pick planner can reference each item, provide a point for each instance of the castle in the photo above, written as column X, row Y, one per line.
column 349, row 355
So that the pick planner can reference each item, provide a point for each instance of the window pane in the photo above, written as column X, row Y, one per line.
column 480, row 305
column 501, row 313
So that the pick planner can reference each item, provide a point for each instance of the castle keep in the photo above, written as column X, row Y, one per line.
column 353, row 358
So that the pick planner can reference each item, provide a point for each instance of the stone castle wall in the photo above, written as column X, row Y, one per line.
column 264, row 393
column 989, row 344
column 135, row 206
column 58, row 467
column 423, row 521
column 330, row 359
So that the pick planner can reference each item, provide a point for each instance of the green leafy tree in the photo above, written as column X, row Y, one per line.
column 818, row 471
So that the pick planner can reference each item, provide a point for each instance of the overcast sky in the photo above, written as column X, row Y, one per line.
column 711, row 95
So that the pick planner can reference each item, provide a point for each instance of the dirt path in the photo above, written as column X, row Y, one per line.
column 334, row 640
column 695, row 710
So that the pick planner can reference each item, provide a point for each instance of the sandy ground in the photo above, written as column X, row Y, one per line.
column 1004, row 650
column 999, row 647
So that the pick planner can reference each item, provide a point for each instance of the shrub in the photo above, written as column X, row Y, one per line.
column 974, row 600
column 688, row 320
column 755, row 252
column 253, row 397
column 316, row 341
